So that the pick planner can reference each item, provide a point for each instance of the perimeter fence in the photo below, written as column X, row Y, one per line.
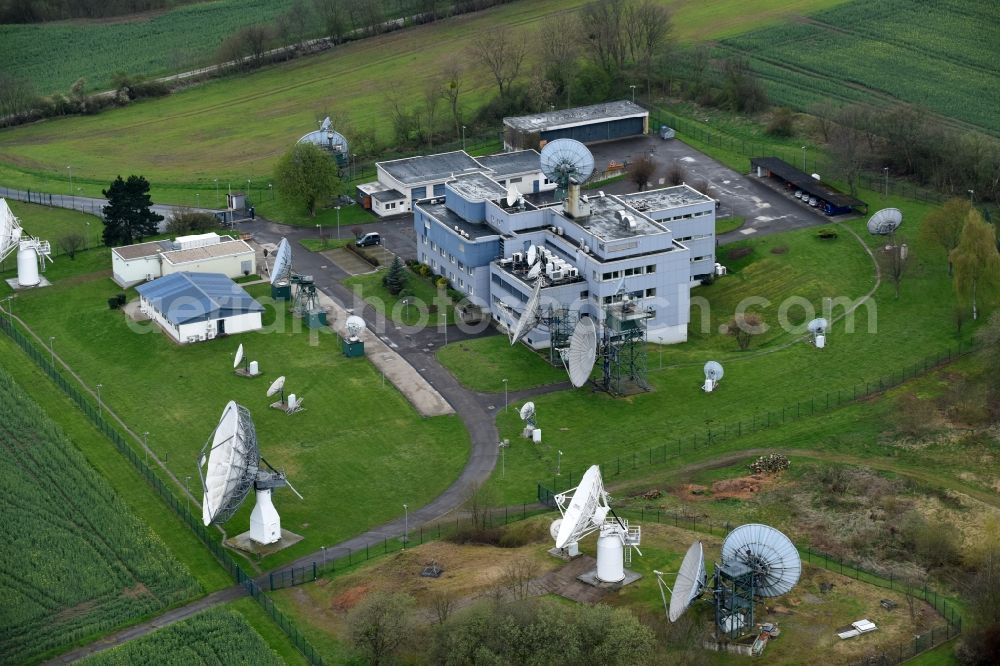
column 182, row 508
column 674, row 446
column 887, row 656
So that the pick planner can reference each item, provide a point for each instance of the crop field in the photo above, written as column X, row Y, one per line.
column 938, row 54
column 234, row 129
column 358, row 443
column 76, row 560
column 217, row 636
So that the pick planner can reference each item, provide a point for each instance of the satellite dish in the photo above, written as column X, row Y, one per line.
column 535, row 271
column 582, row 352
column 529, row 318
column 713, row 371
column 231, row 465
column 818, row 326
column 355, row 326
column 10, row 230
column 816, row 176
column 769, row 554
column 282, row 263
column 239, row 356
column 527, row 412
column 511, row 195
column 691, row 580
column 276, row 386
column 885, row 222
column 532, row 256
column 586, row 511
column 566, row 159
column 554, row 528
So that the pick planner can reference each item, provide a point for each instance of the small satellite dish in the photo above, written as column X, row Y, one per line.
column 768, row 554
column 276, row 386
column 566, row 159
column 713, row 373
column 281, row 272
column 529, row 318
column 239, row 356
column 527, row 412
column 582, row 352
column 355, row 327
column 691, row 580
column 885, row 222
column 818, row 326
column 511, row 195
column 535, row 271
column 532, row 256
column 586, row 511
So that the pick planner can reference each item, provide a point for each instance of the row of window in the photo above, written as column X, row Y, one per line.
column 626, row 272
column 639, row 293
column 686, row 217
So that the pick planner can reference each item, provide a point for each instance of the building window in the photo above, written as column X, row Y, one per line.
column 585, row 294
column 515, row 180
column 651, row 292
column 651, row 268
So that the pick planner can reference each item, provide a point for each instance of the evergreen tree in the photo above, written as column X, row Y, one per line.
column 127, row 217
column 395, row 277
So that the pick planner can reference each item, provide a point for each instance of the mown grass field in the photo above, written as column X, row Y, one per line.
column 483, row 363
column 78, row 561
column 422, row 309
column 51, row 224
column 940, row 55
column 357, row 444
column 215, row 636
column 234, row 129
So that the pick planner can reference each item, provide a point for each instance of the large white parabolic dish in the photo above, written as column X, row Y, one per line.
column 586, row 511
column 582, row 353
column 282, row 262
column 529, row 318
column 232, row 465
column 564, row 159
column 10, row 230
column 689, row 583
column 885, row 221
column 768, row 553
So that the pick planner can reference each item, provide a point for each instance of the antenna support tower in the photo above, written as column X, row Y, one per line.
column 560, row 322
column 306, row 302
column 623, row 353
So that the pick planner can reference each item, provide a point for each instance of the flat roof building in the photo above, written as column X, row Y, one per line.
column 588, row 124
column 199, row 306
column 828, row 198
column 132, row 264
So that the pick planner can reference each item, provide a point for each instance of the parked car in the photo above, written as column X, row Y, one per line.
column 371, row 238
column 798, row 194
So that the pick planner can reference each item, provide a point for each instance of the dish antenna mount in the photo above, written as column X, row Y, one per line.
column 530, row 317
column 817, row 328
column 32, row 253
column 689, row 583
column 249, row 369
column 585, row 510
column 527, row 414
column 713, row 374
column 581, row 355
column 355, row 327
column 229, row 466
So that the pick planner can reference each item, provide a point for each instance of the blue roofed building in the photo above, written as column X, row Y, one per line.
column 192, row 307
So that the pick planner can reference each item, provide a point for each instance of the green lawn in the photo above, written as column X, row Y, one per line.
column 317, row 245
column 51, row 224
column 727, row 224
column 425, row 302
column 353, row 428
column 482, row 365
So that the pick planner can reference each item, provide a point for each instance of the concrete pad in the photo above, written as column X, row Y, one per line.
column 590, row 578
column 13, row 284
column 247, row 545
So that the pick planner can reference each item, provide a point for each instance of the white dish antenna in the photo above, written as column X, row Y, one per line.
column 534, row 271
column 231, row 465
column 239, row 356
column 355, row 327
column 587, row 509
column 512, row 194
column 818, row 326
column 529, row 318
column 713, row 371
column 582, row 353
column 769, row 554
column 885, row 222
column 532, row 255
column 566, row 159
column 281, row 272
column 691, row 580
column 527, row 412
column 10, row 230
column 277, row 385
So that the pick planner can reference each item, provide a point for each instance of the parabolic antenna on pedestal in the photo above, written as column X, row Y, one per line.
column 527, row 411
column 529, row 318
column 566, row 159
column 582, row 352
column 818, row 326
column 239, row 356
column 276, row 386
column 511, row 194
column 281, row 272
column 691, row 579
column 885, row 221
column 713, row 371
column 229, row 467
column 355, row 326
column 10, row 230
column 586, row 511
column 534, row 272
column 532, row 255
column 769, row 554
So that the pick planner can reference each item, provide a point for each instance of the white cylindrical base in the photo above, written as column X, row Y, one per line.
column 610, row 558
column 27, row 267
column 709, row 386
column 820, row 341
column 254, row 368
column 536, row 435
column 292, row 401
column 265, row 524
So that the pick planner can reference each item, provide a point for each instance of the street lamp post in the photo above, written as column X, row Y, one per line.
column 187, row 487
column 559, row 463
column 216, row 192
column 503, row 465
column 145, row 445
column 52, row 351
column 323, row 548
column 463, row 137
column 197, row 200
column 100, row 406
column 248, row 190
column 803, row 158
column 406, row 524
column 504, row 394
column 971, row 193
column 338, row 222
column 885, row 170
column 270, row 191
column 69, row 167
column 633, row 92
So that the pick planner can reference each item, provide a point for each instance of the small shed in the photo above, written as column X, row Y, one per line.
column 192, row 307
column 587, row 124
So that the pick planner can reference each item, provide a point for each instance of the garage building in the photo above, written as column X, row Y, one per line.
column 192, row 307
column 587, row 124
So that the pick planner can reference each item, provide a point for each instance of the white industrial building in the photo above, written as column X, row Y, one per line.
column 207, row 253
column 192, row 307
column 404, row 181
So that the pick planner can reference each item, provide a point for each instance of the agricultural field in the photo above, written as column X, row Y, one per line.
column 234, row 129
column 940, row 55
column 77, row 561
column 215, row 636
column 353, row 423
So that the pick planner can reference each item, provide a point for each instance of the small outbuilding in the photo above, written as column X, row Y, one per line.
column 587, row 124
column 207, row 253
column 192, row 307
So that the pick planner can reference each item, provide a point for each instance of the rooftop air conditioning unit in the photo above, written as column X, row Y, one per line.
column 550, row 268
column 518, row 257
column 572, row 272
column 553, row 229
column 559, row 231
column 556, row 275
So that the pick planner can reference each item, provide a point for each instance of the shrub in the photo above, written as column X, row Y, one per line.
column 782, row 122
column 739, row 253
column 779, row 249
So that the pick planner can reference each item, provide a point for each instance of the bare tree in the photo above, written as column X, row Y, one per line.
column 379, row 624
column 893, row 259
column 744, row 326
column 477, row 505
column 451, row 90
column 502, row 52
column 602, row 24
column 16, row 94
column 72, row 243
column 647, row 27
column 443, row 605
column 641, row 170
column 559, row 51
column 333, row 15
column 433, row 93
column 517, row 576
column 848, row 146
column 676, row 173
